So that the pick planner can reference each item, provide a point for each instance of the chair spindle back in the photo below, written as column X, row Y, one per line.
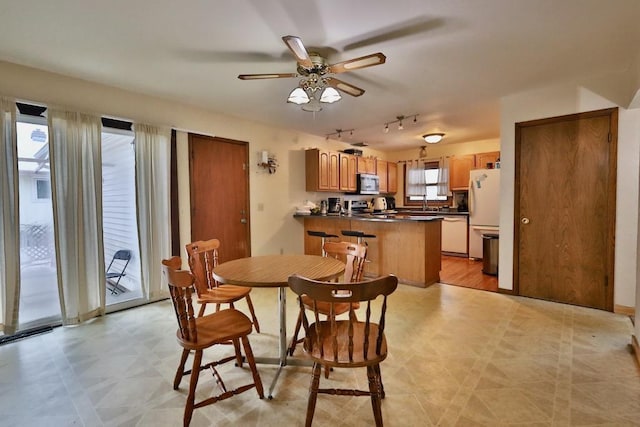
column 181, row 288
column 203, row 257
column 342, row 332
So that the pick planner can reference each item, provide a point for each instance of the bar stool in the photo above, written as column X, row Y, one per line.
column 323, row 235
column 359, row 234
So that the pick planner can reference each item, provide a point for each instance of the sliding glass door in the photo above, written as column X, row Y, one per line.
column 39, row 299
column 121, row 247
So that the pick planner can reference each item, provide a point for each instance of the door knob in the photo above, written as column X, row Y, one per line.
column 525, row 220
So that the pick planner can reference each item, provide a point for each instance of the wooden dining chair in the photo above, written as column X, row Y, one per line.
column 354, row 256
column 345, row 343
column 195, row 334
column 203, row 257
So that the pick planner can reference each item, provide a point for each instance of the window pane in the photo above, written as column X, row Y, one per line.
column 39, row 300
column 431, row 176
column 43, row 189
column 120, row 229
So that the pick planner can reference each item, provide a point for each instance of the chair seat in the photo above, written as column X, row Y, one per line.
column 342, row 333
column 217, row 328
column 325, row 307
column 224, row 294
column 114, row 275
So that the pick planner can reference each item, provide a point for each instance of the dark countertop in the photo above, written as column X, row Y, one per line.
column 377, row 218
column 414, row 211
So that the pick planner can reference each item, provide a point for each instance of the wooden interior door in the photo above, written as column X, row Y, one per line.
column 565, row 208
column 219, row 181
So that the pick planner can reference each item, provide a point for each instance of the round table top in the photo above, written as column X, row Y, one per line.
column 273, row 271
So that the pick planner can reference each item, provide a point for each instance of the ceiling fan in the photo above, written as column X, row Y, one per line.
column 316, row 83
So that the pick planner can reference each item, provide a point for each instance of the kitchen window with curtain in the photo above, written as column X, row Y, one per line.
column 424, row 178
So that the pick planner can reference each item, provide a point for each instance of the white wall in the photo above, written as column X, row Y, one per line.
column 561, row 100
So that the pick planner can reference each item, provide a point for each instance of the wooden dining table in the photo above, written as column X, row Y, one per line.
column 273, row 271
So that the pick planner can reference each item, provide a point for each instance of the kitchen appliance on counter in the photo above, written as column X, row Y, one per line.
column 359, row 207
column 379, row 204
column 335, row 207
column 484, row 207
column 391, row 203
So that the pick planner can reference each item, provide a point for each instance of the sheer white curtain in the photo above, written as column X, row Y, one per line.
column 416, row 179
column 76, row 187
column 153, row 153
column 9, row 219
column 443, row 176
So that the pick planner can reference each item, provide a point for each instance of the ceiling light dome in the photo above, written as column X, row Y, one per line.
column 433, row 138
column 298, row 96
column 330, row 95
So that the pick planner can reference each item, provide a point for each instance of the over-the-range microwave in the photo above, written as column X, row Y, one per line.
column 368, row 183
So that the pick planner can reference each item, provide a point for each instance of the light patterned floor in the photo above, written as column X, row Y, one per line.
column 458, row 357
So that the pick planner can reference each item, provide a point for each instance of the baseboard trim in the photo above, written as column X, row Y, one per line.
column 636, row 348
column 623, row 309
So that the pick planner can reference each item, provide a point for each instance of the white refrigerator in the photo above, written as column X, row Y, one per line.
column 484, row 207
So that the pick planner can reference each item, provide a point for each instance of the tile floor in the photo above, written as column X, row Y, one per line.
column 457, row 357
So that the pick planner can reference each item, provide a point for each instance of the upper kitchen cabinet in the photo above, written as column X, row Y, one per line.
column 366, row 165
column 381, row 170
column 322, row 170
column 348, row 171
column 388, row 174
column 482, row 159
column 460, row 167
column 392, row 178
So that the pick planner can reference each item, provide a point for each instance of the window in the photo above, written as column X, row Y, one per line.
column 43, row 189
column 430, row 179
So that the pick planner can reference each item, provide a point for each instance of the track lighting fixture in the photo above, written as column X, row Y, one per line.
column 339, row 132
column 399, row 120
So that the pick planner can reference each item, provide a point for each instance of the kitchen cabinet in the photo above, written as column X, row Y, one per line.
column 388, row 174
column 348, row 171
column 460, row 167
column 392, row 178
column 366, row 165
column 322, row 170
column 483, row 158
column 381, row 171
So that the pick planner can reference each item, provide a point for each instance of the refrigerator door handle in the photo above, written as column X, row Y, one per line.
column 471, row 196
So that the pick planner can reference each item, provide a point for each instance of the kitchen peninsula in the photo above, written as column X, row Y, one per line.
column 406, row 246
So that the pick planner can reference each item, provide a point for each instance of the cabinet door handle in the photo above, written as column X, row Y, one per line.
column 525, row 221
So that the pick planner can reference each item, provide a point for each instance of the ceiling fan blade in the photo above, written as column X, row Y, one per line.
column 299, row 51
column 344, row 87
column 266, row 76
column 356, row 63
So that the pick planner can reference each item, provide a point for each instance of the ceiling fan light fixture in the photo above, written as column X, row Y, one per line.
column 298, row 96
column 313, row 106
column 433, row 138
column 386, row 128
column 330, row 95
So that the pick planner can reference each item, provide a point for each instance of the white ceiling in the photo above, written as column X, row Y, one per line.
column 449, row 61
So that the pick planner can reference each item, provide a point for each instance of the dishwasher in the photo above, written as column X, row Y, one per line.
column 454, row 234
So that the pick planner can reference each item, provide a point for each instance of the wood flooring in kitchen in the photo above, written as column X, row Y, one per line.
column 467, row 273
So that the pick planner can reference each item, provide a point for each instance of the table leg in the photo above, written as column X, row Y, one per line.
column 282, row 351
